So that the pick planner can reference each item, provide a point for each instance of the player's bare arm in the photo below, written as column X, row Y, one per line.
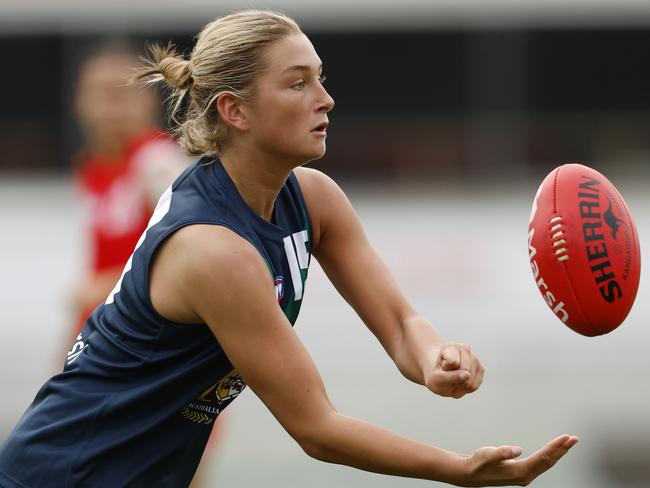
column 351, row 263
column 265, row 350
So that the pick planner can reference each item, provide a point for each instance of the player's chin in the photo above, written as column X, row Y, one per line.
column 322, row 151
column 315, row 151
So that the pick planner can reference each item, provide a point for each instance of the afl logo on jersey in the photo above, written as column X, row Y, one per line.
column 279, row 288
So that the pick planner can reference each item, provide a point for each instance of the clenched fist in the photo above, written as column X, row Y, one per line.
column 455, row 371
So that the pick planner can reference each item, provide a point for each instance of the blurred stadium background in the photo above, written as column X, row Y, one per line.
column 448, row 115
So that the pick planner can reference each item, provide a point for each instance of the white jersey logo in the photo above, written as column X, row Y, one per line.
column 298, row 259
column 76, row 350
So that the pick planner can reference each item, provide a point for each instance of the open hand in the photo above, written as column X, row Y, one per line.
column 455, row 372
column 497, row 466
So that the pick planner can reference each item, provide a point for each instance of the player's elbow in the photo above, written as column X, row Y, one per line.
column 317, row 450
column 317, row 441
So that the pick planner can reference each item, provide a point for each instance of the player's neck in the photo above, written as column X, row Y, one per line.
column 257, row 181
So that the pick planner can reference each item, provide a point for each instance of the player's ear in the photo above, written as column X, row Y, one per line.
column 232, row 112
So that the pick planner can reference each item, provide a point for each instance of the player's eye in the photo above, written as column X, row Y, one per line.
column 322, row 79
column 298, row 85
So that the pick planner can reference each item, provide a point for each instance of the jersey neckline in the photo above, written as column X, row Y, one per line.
column 268, row 229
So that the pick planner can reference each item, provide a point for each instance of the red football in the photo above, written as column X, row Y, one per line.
column 584, row 249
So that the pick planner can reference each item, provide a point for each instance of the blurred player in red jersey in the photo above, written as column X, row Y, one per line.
column 126, row 164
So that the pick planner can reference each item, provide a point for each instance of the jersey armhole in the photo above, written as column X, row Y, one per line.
column 152, row 253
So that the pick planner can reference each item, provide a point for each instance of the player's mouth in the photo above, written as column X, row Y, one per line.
column 320, row 129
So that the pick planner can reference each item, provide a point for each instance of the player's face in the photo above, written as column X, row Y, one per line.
column 288, row 115
column 110, row 111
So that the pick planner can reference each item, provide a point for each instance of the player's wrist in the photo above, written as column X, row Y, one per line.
column 458, row 470
column 422, row 349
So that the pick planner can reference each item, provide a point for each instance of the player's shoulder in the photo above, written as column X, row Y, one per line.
column 310, row 177
column 326, row 202
column 206, row 251
column 202, row 267
column 317, row 187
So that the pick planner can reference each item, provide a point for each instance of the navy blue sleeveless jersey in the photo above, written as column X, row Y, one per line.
column 138, row 395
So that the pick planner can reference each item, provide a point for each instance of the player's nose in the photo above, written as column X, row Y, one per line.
column 325, row 101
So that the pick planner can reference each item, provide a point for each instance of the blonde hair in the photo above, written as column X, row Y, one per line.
column 226, row 58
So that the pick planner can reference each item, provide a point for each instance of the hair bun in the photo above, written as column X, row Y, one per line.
column 176, row 72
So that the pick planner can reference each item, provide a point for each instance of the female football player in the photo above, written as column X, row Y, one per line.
column 206, row 303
